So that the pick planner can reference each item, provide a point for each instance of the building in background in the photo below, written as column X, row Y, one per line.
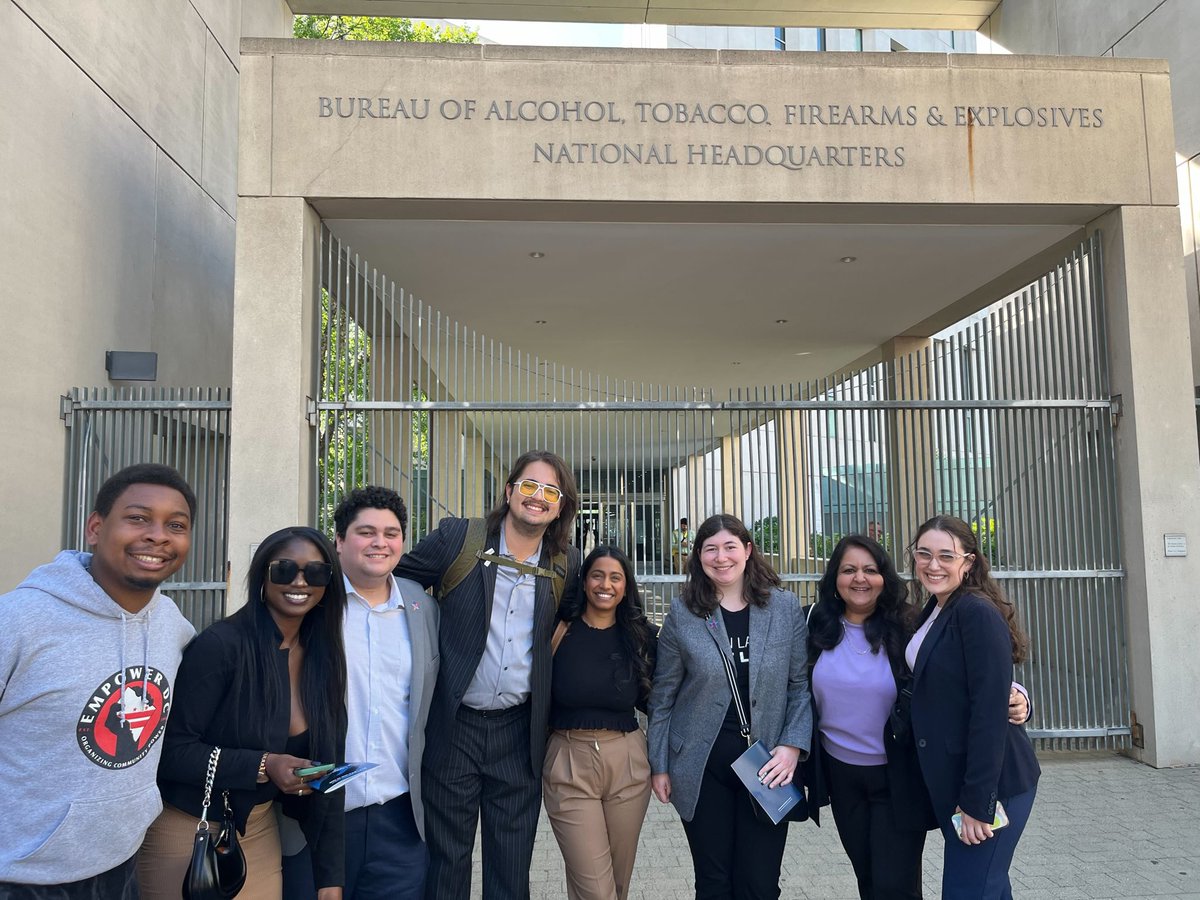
column 710, row 314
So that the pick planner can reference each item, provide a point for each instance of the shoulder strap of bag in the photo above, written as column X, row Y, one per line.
column 467, row 557
column 474, row 551
column 209, row 777
column 559, row 633
column 743, row 721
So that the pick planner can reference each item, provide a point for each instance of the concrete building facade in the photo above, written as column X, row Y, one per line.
column 124, row 190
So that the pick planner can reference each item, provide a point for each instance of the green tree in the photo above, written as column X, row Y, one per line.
column 380, row 28
column 765, row 534
column 343, row 438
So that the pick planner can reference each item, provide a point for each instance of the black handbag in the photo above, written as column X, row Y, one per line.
column 218, row 867
column 797, row 813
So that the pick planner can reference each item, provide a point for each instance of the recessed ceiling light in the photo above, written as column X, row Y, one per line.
column 735, row 364
column 849, row 259
column 536, row 254
column 781, row 321
column 539, row 321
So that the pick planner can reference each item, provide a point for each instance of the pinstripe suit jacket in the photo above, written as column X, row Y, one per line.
column 691, row 690
column 466, row 614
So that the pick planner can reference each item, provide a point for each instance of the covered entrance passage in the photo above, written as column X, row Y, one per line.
column 1004, row 419
column 703, row 345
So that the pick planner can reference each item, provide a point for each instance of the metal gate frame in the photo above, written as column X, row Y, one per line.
column 1005, row 420
column 187, row 428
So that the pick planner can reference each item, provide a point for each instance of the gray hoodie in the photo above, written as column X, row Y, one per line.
column 85, row 688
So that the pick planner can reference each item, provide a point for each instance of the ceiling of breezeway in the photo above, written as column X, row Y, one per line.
column 956, row 15
column 694, row 303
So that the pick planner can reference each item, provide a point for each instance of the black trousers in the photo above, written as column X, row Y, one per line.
column 118, row 883
column 736, row 857
column 886, row 858
column 485, row 772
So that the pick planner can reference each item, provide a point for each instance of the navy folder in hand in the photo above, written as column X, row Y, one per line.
column 776, row 802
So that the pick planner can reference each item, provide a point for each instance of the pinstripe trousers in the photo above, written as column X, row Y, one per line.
column 485, row 772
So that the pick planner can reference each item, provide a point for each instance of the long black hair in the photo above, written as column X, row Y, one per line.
column 977, row 577
column 699, row 595
column 637, row 634
column 323, row 676
column 888, row 626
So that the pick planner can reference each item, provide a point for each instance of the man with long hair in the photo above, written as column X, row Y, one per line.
column 491, row 705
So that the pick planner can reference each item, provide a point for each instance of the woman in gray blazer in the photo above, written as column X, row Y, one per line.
column 733, row 605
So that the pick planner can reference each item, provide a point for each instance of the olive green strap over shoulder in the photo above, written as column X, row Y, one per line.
column 467, row 557
column 474, row 550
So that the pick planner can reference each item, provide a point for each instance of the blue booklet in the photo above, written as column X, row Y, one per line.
column 339, row 775
column 776, row 802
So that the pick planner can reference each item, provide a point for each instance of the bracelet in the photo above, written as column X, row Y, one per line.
column 262, row 768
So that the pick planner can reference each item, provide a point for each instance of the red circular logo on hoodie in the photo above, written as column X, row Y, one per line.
column 124, row 716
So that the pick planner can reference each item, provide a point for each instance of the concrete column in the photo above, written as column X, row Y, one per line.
column 477, row 463
column 731, row 475
column 445, row 465
column 791, row 449
column 910, row 476
column 390, row 459
column 1157, row 473
column 271, row 461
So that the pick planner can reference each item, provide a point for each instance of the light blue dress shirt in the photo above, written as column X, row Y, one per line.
column 379, row 682
column 503, row 677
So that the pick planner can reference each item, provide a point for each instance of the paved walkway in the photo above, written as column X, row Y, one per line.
column 1104, row 826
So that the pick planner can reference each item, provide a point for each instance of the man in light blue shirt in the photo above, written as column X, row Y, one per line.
column 391, row 664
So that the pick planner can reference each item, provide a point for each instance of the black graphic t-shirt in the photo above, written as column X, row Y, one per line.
column 737, row 626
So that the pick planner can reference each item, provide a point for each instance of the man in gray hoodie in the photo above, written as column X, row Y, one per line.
column 89, row 648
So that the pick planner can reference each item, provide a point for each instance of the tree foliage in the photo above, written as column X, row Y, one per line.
column 380, row 28
column 343, row 438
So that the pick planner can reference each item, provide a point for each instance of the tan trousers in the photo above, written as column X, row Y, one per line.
column 167, row 850
column 596, row 790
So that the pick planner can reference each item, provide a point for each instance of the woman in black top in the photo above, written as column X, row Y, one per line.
column 267, row 685
column 596, row 775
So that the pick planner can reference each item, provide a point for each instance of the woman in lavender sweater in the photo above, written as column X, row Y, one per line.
column 865, row 769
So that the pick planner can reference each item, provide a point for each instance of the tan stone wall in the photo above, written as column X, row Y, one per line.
column 118, row 184
column 509, row 123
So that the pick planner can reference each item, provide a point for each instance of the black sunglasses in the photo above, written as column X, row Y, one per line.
column 283, row 571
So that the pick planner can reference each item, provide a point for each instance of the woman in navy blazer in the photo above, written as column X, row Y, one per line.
column 971, row 757
column 732, row 606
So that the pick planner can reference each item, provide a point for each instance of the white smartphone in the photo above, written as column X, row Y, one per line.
column 997, row 823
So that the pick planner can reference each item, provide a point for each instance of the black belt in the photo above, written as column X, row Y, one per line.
column 504, row 712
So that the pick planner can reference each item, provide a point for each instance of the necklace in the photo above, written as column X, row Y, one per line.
column 850, row 644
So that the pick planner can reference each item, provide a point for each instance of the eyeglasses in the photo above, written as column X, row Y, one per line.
column 528, row 487
column 945, row 558
column 284, row 571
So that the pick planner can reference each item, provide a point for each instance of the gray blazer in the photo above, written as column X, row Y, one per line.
column 422, row 613
column 691, row 690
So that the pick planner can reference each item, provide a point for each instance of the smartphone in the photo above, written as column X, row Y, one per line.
column 316, row 769
column 997, row 823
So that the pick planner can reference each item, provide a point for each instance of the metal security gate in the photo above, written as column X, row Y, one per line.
column 1004, row 420
column 188, row 428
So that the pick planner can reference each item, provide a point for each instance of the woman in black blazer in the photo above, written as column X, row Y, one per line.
column 267, row 685
column 973, row 760
column 864, row 761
